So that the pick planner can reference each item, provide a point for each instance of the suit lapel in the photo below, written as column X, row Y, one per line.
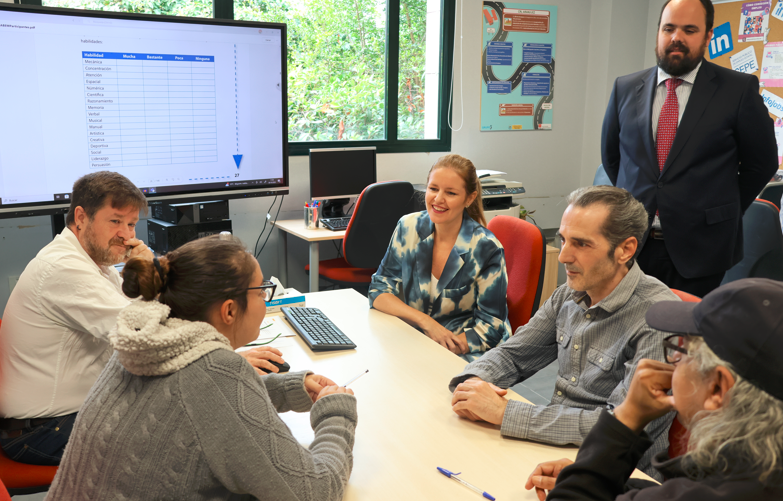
column 704, row 88
column 456, row 256
column 424, row 260
column 645, row 92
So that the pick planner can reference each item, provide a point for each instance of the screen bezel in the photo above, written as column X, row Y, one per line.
column 334, row 150
column 194, row 195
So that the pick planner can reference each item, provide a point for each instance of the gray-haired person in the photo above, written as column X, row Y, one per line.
column 593, row 326
column 725, row 373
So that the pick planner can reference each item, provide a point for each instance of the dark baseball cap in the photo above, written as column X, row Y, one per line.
column 742, row 322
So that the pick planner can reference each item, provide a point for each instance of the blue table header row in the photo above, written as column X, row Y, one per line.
column 146, row 57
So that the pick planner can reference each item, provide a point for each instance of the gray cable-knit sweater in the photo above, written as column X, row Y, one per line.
column 177, row 414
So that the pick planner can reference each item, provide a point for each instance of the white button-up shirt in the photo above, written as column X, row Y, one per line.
column 54, row 330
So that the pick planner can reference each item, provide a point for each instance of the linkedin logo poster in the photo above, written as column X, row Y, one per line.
column 721, row 42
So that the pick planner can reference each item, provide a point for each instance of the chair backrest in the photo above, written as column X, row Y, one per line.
column 377, row 211
column 685, row 296
column 763, row 244
column 601, row 178
column 4, row 496
column 525, row 251
column 772, row 193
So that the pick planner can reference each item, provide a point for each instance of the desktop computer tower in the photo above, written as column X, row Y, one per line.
column 190, row 213
column 163, row 236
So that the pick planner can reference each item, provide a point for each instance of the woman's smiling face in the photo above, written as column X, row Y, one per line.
column 446, row 196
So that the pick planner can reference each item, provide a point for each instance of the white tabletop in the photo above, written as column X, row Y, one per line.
column 406, row 426
column 296, row 227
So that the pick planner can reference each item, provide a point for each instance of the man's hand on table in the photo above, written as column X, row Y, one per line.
column 544, row 476
column 478, row 400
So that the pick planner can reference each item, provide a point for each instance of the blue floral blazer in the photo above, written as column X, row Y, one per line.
column 471, row 293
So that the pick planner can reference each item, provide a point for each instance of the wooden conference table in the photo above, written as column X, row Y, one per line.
column 406, row 426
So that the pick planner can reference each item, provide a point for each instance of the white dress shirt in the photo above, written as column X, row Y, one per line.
column 683, row 94
column 54, row 330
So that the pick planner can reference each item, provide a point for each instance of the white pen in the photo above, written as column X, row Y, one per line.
column 356, row 377
column 454, row 476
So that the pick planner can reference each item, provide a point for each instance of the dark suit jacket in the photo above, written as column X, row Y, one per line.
column 722, row 156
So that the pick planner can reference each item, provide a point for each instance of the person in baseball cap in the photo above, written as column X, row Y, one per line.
column 725, row 373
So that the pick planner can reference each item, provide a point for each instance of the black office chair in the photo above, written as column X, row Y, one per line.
column 369, row 232
column 601, row 179
column 763, row 243
column 772, row 193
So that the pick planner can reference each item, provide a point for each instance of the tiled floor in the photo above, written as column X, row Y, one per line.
column 539, row 388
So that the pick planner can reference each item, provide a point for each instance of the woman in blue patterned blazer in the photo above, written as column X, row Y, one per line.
column 444, row 272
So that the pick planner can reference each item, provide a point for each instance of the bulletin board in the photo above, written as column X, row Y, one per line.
column 732, row 12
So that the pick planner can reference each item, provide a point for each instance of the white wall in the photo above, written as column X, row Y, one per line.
column 597, row 41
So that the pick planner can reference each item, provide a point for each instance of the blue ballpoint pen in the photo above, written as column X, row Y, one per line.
column 454, row 476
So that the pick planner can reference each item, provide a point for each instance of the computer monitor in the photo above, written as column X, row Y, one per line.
column 186, row 108
column 339, row 173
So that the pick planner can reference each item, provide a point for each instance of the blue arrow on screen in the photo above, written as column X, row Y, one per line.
column 237, row 159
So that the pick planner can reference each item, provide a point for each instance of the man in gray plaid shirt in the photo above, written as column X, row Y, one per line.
column 593, row 326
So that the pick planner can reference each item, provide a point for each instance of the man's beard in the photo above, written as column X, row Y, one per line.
column 682, row 65
column 103, row 256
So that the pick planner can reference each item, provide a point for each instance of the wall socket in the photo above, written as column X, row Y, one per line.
column 12, row 282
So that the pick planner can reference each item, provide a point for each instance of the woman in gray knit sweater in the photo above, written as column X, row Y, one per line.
column 177, row 414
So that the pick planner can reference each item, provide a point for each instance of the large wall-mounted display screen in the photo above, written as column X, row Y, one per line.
column 183, row 107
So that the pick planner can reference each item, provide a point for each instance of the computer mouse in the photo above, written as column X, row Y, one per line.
column 284, row 367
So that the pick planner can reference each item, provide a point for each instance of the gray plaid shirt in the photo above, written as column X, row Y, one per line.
column 597, row 348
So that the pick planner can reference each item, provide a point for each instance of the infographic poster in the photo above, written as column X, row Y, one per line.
column 517, row 66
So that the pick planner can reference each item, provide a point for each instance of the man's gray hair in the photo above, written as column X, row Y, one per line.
column 749, row 428
column 627, row 216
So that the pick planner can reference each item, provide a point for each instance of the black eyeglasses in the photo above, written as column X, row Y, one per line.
column 268, row 289
column 673, row 348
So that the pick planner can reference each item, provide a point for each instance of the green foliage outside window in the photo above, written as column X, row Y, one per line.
column 410, row 106
column 188, row 8
column 336, row 65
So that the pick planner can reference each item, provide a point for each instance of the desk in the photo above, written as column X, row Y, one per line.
column 406, row 426
column 296, row 227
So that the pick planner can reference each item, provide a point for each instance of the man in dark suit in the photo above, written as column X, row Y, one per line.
column 694, row 142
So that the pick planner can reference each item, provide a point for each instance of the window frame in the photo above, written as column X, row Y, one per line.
column 224, row 9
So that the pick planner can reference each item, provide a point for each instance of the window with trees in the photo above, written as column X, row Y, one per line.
column 359, row 71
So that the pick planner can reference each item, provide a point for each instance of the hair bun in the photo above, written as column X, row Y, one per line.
column 145, row 278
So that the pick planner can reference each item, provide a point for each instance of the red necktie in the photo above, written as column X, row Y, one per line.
column 667, row 121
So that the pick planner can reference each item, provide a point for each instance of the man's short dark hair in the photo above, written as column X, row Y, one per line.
column 627, row 216
column 91, row 191
column 708, row 7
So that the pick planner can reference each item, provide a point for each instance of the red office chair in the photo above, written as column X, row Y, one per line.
column 4, row 496
column 21, row 478
column 678, row 434
column 378, row 209
column 762, row 242
column 525, row 250
column 686, row 296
